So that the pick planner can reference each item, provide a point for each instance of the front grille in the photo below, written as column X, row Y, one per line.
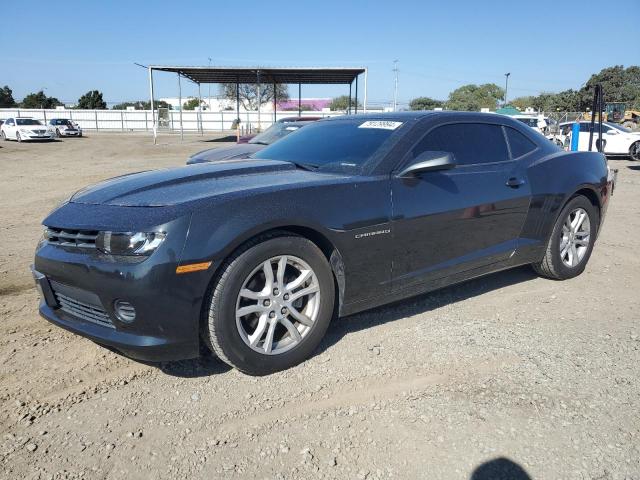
column 38, row 132
column 71, row 238
column 84, row 311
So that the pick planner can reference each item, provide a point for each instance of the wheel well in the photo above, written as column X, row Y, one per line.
column 591, row 196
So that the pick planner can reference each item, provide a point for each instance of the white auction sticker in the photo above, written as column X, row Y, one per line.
column 384, row 124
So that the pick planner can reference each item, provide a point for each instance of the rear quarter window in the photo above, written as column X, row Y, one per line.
column 519, row 143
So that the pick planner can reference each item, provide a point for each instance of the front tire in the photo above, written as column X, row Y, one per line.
column 271, row 304
column 571, row 241
column 18, row 137
column 4, row 136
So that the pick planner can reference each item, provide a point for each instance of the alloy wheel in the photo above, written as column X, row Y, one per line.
column 575, row 237
column 278, row 305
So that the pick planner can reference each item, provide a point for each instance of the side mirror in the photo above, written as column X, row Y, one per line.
column 428, row 162
column 610, row 132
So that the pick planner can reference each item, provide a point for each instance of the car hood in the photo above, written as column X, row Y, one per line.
column 192, row 183
column 225, row 153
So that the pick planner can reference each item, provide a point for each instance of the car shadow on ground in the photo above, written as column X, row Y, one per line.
column 204, row 366
column 225, row 139
column 423, row 303
column 500, row 469
column 633, row 167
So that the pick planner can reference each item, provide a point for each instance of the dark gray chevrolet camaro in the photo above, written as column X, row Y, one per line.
column 253, row 258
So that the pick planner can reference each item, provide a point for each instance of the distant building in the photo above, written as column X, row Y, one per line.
column 315, row 104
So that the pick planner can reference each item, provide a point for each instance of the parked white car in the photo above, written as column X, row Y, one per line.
column 24, row 128
column 63, row 127
column 537, row 122
column 616, row 139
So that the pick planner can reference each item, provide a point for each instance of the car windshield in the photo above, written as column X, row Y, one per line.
column 619, row 127
column 61, row 121
column 337, row 145
column 274, row 132
column 27, row 121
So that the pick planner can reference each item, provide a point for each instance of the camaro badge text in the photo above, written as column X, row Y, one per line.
column 371, row 234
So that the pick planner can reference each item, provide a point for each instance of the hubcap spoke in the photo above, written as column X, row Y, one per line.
column 282, row 265
column 305, row 291
column 293, row 331
column 303, row 319
column 244, row 311
column 304, row 275
column 268, row 341
column 259, row 331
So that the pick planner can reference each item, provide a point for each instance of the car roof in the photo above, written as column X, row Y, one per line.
column 416, row 115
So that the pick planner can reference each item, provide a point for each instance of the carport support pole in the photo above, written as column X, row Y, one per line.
column 180, row 107
column 366, row 70
column 153, row 116
column 259, row 102
column 200, row 110
column 356, row 107
column 299, row 99
column 238, row 109
column 350, row 97
column 275, row 103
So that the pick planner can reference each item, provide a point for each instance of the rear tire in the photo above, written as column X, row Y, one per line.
column 18, row 137
column 4, row 136
column 58, row 133
column 634, row 151
column 568, row 250
column 264, row 341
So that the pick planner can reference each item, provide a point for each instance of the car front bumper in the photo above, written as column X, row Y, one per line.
column 44, row 136
column 79, row 289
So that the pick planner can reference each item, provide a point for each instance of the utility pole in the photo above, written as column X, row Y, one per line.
column 506, row 87
column 395, row 88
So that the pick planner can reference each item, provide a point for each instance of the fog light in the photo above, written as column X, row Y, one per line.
column 124, row 311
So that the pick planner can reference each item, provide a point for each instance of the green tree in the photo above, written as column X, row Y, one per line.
column 141, row 105
column 619, row 84
column 191, row 104
column 248, row 93
column 474, row 97
column 342, row 103
column 425, row 103
column 39, row 100
column 92, row 100
column 6, row 97
column 522, row 102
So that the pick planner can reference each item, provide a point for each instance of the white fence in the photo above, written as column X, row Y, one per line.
column 169, row 120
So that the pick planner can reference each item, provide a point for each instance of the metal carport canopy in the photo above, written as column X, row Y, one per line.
column 260, row 75
column 312, row 75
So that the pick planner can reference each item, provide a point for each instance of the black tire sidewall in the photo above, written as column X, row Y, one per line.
column 563, row 270
column 636, row 146
column 223, row 305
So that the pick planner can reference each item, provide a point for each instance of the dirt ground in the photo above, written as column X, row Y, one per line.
column 489, row 379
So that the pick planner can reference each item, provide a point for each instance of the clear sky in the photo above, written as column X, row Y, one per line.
column 70, row 48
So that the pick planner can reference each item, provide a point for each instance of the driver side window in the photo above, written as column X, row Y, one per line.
column 470, row 143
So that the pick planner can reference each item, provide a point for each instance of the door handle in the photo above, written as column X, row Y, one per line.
column 514, row 182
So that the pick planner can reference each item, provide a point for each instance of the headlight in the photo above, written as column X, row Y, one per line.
column 25, row 132
column 128, row 243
